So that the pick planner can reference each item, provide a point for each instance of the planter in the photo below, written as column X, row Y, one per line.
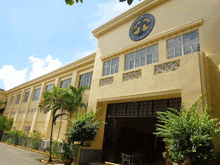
column 68, row 161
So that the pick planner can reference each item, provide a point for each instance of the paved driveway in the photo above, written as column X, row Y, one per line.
column 10, row 155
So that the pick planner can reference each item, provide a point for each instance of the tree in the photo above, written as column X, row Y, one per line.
column 188, row 134
column 71, row 2
column 5, row 124
column 73, row 99
column 53, row 101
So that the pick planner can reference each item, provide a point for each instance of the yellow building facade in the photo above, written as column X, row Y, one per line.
column 133, row 75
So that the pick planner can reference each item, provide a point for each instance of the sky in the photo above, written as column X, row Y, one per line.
column 37, row 37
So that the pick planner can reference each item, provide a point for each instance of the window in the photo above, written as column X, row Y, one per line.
column 110, row 67
column 11, row 101
column 183, row 44
column 36, row 94
column 18, row 99
column 85, row 79
column 65, row 83
column 141, row 57
column 49, row 87
column 26, row 96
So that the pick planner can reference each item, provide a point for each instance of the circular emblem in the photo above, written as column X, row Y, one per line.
column 141, row 27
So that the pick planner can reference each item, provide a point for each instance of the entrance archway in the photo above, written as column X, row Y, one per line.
column 130, row 128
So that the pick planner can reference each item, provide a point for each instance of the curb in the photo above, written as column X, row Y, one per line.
column 29, row 149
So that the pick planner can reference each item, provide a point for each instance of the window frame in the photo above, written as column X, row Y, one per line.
column 127, row 62
column 182, row 44
column 26, row 96
column 18, row 99
column 110, row 67
column 46, row 89
column 35, row 96
column 66, row 80
column 11, row 100
column 85, row 80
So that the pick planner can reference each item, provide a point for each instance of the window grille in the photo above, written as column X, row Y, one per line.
column 26, row 96
column 85, row 79
column 18, row 99
column 11, row 101
column 36, row 94
column 142, row 108
column 49, row 87
column 141, row 57
column 110, row 67
column 184, row 44
column 65, row 83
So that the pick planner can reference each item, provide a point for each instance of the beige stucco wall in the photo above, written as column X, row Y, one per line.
column 198, row 73
column 36, row 119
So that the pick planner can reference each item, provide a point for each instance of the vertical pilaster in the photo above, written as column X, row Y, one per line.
column 74, row 78
column 13, row 104
column 33, row 124
column 19, row 107
column 162, row 47
column 27, row 107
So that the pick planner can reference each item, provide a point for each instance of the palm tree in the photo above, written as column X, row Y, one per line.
column 73, row 99
column 53, row 101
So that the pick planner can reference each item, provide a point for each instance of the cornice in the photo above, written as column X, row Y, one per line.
column 126, row 16
column 155, row 38
column 66, row 68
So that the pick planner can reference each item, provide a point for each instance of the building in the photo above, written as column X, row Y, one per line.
column 153, row 56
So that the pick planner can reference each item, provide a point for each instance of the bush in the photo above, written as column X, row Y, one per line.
column 84, row 127
column 188, row 134
column 15, row 135
column 36, row 138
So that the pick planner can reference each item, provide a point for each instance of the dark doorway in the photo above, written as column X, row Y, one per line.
column 130, row 128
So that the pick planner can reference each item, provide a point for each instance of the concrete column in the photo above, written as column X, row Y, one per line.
column 74, row 78
column 19, row 108
column 27, row 107
column 162, row 51
column 33, row 124
column 13, row 104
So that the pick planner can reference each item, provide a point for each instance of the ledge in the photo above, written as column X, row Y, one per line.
column 155, row 38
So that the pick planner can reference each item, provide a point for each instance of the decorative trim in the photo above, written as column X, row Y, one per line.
column 155, row 38
column 106, row 81
column 126, row 16
column 132, row 75
column 167, row 67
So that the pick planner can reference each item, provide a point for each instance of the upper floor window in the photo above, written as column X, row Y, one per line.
column 85, row 79
column 49, row 87
column 183, row 44
column 11, row 101
column 18, row 99
column 65, row 83
column 141, row 57
column 110, row 67
column 26, row 96
column 36, row 94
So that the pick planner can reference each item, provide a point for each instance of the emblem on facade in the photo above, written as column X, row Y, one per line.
column 141, row 27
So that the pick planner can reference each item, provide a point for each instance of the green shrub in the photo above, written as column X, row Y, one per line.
column 84, row 127
column 188, row 134
column 9, row 141
column 55, row 148
column 36, row 138
column 15, row 135
column 70, row 150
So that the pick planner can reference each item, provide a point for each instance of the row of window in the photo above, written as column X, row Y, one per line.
column 84, row 80
column 178, row 46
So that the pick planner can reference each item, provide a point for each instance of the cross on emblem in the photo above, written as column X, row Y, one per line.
column 137, row 30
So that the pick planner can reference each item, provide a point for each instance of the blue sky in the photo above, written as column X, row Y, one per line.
column 37, row 37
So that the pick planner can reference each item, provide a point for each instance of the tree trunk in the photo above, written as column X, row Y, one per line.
column 51, row 134
column 59, row 128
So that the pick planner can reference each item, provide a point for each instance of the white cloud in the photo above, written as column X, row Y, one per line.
column 43, row 66
column 107, row 11
column 12, row 77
